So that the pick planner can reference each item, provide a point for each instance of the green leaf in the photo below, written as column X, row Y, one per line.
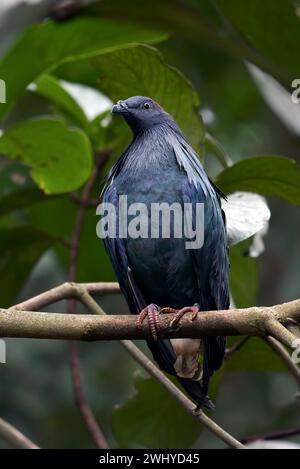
column 165, row 417
column 13, row 177
column 141, row 70
column 271, row 28
column 17, row 189
column 60, row 157
column 49, row 87
column 191, row 19
column 153, row 419
column 20, row 199
column 56, row 216
column 262, row 33
column 43, row 46
column 21, row 248
column 212, row 145
column 243, row 276
column 255, row 355
column 266, row 175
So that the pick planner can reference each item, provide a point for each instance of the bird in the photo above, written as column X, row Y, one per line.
column 159, row 274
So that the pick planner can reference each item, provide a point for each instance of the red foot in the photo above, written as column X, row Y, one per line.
column 152, row 312
column 179, row 313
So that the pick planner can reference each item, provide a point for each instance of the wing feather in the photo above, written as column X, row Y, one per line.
column 211, row 268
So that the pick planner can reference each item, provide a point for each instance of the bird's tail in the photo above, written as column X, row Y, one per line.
column 197, row 393
column 165, row 356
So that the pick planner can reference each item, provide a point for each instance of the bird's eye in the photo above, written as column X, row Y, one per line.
column 146, row 105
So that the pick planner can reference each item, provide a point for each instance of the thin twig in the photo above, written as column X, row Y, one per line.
column 149, row 366
column 186, row 403
column 14, row 437
column 277, row 347
column 285, row 357
column 80, row 291
column 68, row 290
column 80, row 399
column 294, row 329
column 236, row 346
column 91, row 203
column 277, row 435
column 64, row 291
column 279, row 332
column 87, row 327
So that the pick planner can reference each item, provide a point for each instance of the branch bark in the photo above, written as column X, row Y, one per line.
column 68, row 290
column 81, row 292
column 285, row 357
column 14, row 437
column 249, row 321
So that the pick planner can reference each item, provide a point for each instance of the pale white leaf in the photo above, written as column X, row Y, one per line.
column 246, row 214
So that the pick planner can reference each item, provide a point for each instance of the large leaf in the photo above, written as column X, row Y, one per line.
column 266, row 175
column 271, row 28
column 17, row 189
column 246, row 214
column 60, row 157
column 44, row 45
column 164, row 416
column 49, row 87
column 153, row 419
column 141, row 70
column 255, row 355
column 21, row 247
column 250, row 33
column 243, row 275
column 20, row 199
column 56, row 216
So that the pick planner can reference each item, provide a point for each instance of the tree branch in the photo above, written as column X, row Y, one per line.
column 276, row 435
column 279, row 332
column 236, row 346
column 14, row 437
column 80, row 398
column 249, row 321
column 285, row 357
column 68, row 290
column 186, row 403
column 81, row 292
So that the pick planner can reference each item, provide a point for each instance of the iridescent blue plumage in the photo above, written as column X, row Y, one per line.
column 160, row 166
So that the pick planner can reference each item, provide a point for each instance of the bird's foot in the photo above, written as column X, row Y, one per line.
column 179, row 313
column 152, row 313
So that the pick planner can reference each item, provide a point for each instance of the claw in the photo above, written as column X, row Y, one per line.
column 151, row 312
column 181, row 312
column 168, row 310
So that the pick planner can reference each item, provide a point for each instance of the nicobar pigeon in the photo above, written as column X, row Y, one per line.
column 158, row 274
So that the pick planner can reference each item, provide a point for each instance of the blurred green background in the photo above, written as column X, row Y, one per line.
column 63, row 64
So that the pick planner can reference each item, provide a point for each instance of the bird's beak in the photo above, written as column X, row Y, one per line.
column 119, row 107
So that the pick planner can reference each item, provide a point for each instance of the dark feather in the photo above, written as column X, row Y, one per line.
column 160, row 166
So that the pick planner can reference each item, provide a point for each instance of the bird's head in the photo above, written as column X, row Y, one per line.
column 140, row 112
